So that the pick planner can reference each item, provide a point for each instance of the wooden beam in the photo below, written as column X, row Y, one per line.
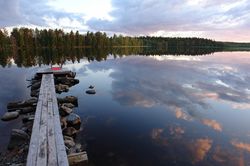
column 47, row 145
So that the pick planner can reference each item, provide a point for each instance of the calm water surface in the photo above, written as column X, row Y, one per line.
column 155, row 110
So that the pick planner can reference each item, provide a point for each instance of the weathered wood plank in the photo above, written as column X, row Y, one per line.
column 52, row 155
column 78, row 158
column 42, row 145
column 60, row 146
column 47, row 144
column 33, row 147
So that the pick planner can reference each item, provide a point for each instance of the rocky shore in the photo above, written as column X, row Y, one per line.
column 71, row 123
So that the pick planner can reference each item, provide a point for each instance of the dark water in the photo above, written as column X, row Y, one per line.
column 155, row 110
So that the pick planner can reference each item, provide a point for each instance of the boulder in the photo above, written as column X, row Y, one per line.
column 15, row 105
column 27, row 127
column 70, row 131
column 78, row 158
column 21, row 104
column 34, row 93
column 78, row 148
column 65, row 110
column 69, row 105
column 68, row 138
column 72, row 74
column 91, row 91
column 36, row 85
column 61, row 88
column 63, row 123
column 91, row 87
column 28, row 118
column 37, row 77
column 68, row 99
column 75, row 149
column 73, row 120
column 67, row 81
column 69, row 143
column 18, row 137
column 10, row 115
column 26, row 110
column 31, row 101
column 33, row 81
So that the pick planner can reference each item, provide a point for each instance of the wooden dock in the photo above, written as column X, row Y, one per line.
column 47, row 145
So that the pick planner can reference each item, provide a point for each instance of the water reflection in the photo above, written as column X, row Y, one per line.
column 199, row 149
column 225, row 156
column 184, row 86
column 162, row 110
column 208, row 96
column 241, row 145
column 213, row 124
column 42, row 56
column 13, row 88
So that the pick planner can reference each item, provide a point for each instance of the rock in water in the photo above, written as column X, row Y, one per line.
column 69, row 143
column 61, row 88
column 10, row 115
column 63, row 123
column 28, row 118
column 91, row 91
column 21, row 104
column 28, row 110
column 34, row 93
column 70, row 131
column 78, row 158
column 68, row 138
column 18, row 137
column 73, row 120
column 67, row 81
column 72, row 74
column 68, row 99
column 35, row 86
column 91, row 87
column 31, row 101
column 69, row 105
column 65, row 110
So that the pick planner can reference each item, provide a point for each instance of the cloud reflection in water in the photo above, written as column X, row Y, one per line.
column 189, row 89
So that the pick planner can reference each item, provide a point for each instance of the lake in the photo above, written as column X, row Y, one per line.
column 152, row 110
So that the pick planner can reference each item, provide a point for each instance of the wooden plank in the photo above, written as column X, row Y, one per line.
column 60, row 146
column 52, row 155
column 47, row 144
column 42, row 145
column 33, row 147
column 78, row 158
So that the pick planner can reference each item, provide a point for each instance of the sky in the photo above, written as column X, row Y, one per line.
column 223, row 20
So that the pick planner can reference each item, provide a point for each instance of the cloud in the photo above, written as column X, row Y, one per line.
column 184, row 89
column 10, row 13
column 36, row 13
column 176, row 131
column 221, row 20
column 213, row 124
column 132, row 85
column 202, row 18
column 180, row 114
column 241, row 145
column 176, row 144
column 156, row 133
column 229, row 157
column 199, row 149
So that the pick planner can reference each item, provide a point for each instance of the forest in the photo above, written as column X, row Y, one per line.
column 31, row 47
column 48, row 38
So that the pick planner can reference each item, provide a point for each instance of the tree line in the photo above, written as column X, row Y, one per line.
column 33, row 38
column 21, row 38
